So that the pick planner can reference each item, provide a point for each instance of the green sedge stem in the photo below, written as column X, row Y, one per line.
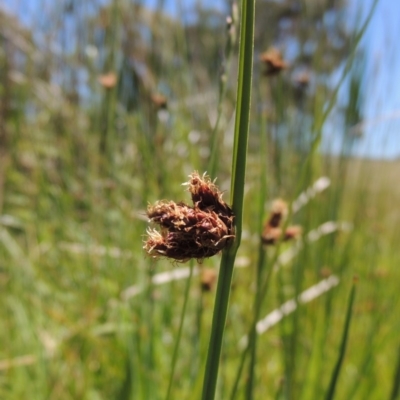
column 343, row 345
column 178, row 339
column 237, row 195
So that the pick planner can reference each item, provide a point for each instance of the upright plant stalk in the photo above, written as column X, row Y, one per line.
column 178, row 339
column 237, row 195
column 261, row 274
column 216, row 135
column 149, row 361
column 396, row 381
column 343, row 345
column 252, row 337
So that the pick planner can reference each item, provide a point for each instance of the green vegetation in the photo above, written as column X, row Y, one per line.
column 105, row 109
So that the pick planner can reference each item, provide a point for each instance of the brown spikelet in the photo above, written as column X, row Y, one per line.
column 189, row 232
column 206, row 196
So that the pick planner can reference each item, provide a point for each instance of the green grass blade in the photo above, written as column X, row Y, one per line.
column 335, row 375
column 178, row 338
column 253, row 332
column 396, row 380
column 261, row 273
column 216, row 134
column 242, row 113
column 126, row 389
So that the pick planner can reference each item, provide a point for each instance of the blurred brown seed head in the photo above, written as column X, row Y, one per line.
column 325, row 272
column 159, row 101
column 271, row 235
column 301, row 83
column 208, row 278
column 273, row 61
column 108, row 80
column 302, row 80
column 293, row 232
column 272, row 232
column 279, row 211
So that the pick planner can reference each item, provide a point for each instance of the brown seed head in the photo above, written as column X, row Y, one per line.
column 302, row 80
column 206, row 196
column 207, row 279
column 108, row 80
column 159, row 100
column 273, row 62
column 279, row 211
column 271, row 235
column 293, row 232
column 325, row 272
column 272, row 232
column 191, row 232
column 205, row 193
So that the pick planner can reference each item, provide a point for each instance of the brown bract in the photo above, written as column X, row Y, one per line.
column 186, row 232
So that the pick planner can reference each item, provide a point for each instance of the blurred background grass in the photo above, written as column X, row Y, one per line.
column 109, row 105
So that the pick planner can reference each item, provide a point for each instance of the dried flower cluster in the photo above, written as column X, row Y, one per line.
column 197, row 231
column 272, row 232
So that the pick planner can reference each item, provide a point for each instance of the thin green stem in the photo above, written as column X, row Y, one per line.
column 243, row 357
column 215, row 135
column 343, row 345
column 237, row 197
column 396, row 381
column 242, row 113
column 256, row 314
column 218, row 325
column 260, row 271
column 262, row 293
column 149, row 360
column 178, row 338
